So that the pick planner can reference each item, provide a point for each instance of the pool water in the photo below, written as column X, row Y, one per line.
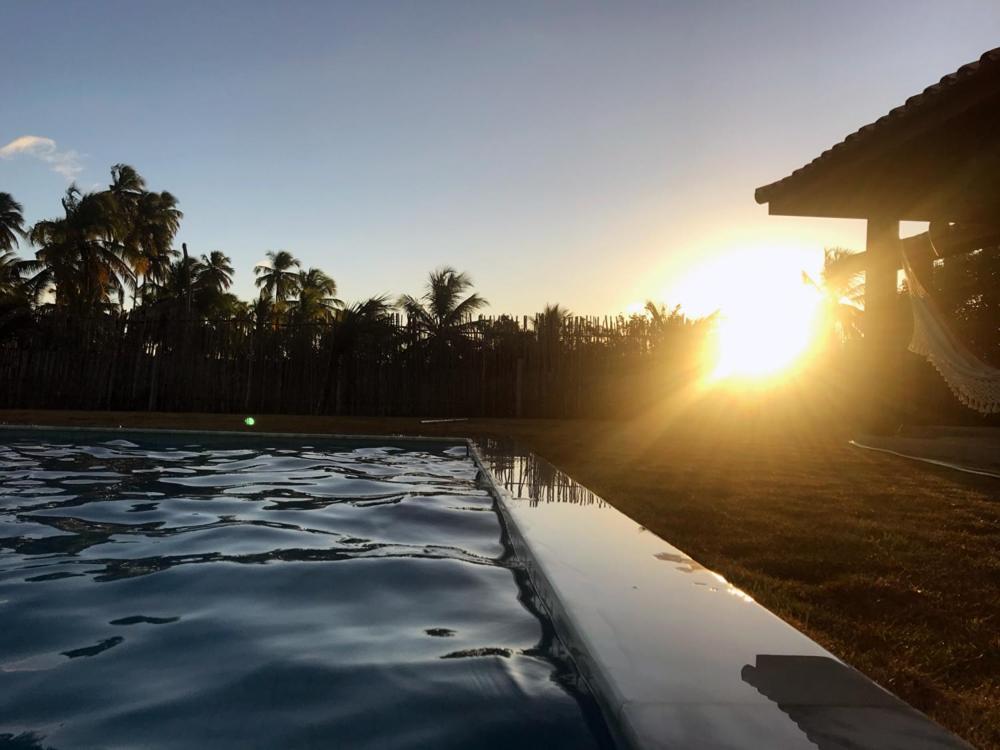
column 197, row 591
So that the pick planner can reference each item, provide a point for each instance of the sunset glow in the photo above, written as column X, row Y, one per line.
column 767, row 317
column 759, row 341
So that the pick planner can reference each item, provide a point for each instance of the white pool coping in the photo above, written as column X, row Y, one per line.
column 676, row 656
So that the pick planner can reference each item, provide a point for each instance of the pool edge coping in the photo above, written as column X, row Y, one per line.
column 339, row 436
column 584, row 655
column 574, row 643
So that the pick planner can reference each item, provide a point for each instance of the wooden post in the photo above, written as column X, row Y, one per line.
column 882, row 261
column 154, row 381
column 882, row 255
column 519, row 385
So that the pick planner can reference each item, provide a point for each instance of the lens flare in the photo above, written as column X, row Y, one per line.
column 768, row 320
column 759, row 343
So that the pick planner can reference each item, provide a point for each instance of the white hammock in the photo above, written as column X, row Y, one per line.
column 974, row 383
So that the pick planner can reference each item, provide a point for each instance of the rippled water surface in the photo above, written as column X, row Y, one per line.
column 183, row 591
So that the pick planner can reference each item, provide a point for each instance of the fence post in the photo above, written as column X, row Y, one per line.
column 153, row 382
column 519, row 389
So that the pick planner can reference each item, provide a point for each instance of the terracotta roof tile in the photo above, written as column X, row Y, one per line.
column 929, row 97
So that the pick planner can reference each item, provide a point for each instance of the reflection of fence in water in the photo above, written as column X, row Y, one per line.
column 525, row 475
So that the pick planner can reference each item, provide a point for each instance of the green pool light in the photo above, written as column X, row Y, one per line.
column 249, row 421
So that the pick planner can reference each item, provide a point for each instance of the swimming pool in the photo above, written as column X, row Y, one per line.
column 176, row 591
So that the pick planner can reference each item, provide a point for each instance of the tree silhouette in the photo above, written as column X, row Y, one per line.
column 11, row 222
column 12, row 281
column 12, row 268
column 368, row 320
column 444, row 312
column 106, row 242
column 215, row 272
column 278, row 278
column 80, row 256
column 127, row 185
column 197, row 286
column 550, row 325
column 317, row 302
column 150, row 226
column 554, row 316
column 841, row 285
column 967, row 289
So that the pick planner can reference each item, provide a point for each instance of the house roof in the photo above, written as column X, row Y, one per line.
column 935, row 157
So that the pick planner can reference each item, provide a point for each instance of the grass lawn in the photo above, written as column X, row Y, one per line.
column 892, row 565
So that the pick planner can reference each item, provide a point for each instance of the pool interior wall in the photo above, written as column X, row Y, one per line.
column 171, row 590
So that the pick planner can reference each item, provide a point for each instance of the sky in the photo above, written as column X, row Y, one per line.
column 589, row 154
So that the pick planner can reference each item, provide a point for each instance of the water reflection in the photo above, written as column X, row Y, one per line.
column 94, row 650
column 839, row 708
column 267, row 595
column 23, row 741
column 137, row 619
column 525, row 475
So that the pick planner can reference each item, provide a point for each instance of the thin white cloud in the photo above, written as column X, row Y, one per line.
column 66, row 163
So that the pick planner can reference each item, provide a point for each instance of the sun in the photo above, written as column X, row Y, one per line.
column 761, row 341
column 768, row 319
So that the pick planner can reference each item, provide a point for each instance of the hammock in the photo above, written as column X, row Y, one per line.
column 974, row 383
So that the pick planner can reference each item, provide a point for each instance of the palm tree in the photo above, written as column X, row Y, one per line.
column 549, row 324
column 181, row 286
column 554, row 315
column 369, row 319
column 316, row 302
column 78, row 253
column 372, row 310
column 262, row 311
column 216, row 272
column 127, row 185
column 230, row 306
column 661, row 317
column 12, row 268
column 145, row 223
column 441, row 313
column 842, row 286
column 316, row 279
column 210, row 279
column 150, row 223
column 126, row 188
column 278, row 277
column 16, row 295
column 11, row 222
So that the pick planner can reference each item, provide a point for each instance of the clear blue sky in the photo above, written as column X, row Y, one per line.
column 591, row 154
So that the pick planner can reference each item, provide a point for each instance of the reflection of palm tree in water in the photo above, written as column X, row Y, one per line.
column 23, row 741
column 527, row 475
column 838, row 708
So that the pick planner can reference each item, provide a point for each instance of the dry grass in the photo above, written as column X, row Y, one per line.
column 892, row 565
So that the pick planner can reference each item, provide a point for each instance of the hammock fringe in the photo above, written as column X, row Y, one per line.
column 973, row 382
